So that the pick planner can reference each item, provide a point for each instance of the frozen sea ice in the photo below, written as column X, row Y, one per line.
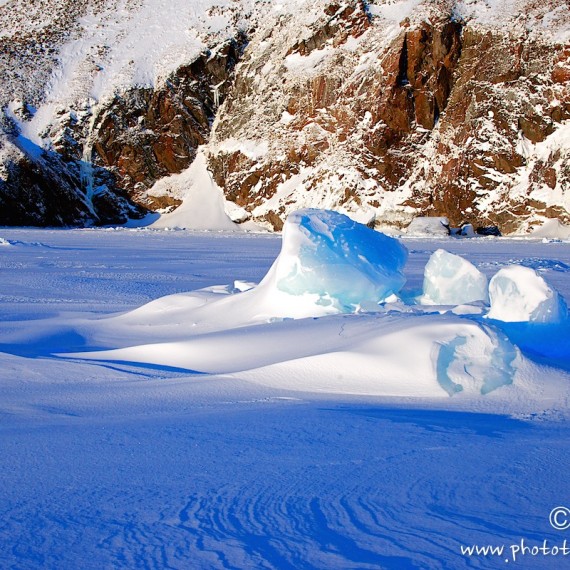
column 344, row 263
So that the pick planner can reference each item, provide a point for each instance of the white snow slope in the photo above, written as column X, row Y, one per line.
column 103, row 47
column 115, row 45
column 118, row 465
column 203, row 206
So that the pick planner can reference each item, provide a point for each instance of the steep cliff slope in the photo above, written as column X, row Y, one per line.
column 102, row 98
column 386, row 110
column 390, row 110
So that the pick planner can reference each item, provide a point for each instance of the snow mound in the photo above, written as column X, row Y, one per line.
column 519, row 294
column 328, row 264
column 552, row 229
column 452, row 280
column 429, row 227
column 452, row 358
column 450, row 355
column 4, row 242
column 203, row 206
column 344, row 263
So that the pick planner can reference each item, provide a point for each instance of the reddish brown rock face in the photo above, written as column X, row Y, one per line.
column 147, row 134
column 499, row 100
column 348, row 109
column 561, row 70
column 444, row 118
column 141, row 136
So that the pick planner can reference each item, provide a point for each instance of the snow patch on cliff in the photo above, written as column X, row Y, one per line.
column 203, row 206
column 307, row 64
column 253, row 149
column 549, row 18
column 116, row 45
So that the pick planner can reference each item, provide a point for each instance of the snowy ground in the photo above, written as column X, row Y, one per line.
column 114, row 465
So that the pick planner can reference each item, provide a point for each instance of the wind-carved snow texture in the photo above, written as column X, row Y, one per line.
column 123, row 466
column 329, row 266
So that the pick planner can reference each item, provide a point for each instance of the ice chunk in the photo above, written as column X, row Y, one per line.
column 236, row 213
column 481, row 362
column 520, row 294
column 429, row 227
column 467, row 230
column 4, row 242
column 451, row 280
column 241, row 286
column 344, row 263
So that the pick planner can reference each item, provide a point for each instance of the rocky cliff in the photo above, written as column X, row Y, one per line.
column 103, row 98
column 391, row 110
column 385, row 110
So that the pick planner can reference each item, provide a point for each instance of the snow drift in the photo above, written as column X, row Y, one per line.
column 552, row 229
column 203, row 200
column 326, row 318
column 383, row 355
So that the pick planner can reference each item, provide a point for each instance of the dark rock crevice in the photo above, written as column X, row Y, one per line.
column 432, row 56
column 44, row 190
column 402, row 79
